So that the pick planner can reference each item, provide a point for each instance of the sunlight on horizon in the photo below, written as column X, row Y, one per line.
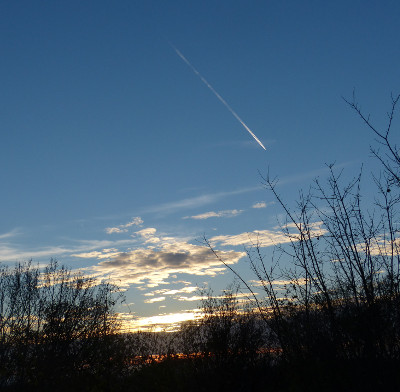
column 161, row 323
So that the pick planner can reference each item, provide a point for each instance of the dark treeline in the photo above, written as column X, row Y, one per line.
column 327, row 321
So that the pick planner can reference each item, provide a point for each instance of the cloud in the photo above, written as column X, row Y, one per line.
column 240, row 296
column 84, row 249
column 261, row 204
column 304, row 176
column 137, row 221
column 189, row 289
column 185, row 290
column 262, row 237
column 152, row 300
column 9, row 253
column 196, row 298
column 381, row 246
column 154, row 265
column 104, row 254
column 164, row 257
column 148, row 235
column 10, row 234
column 314, row 228
column 167, row 322
column 219, row 214
column 265, row 238
column 112, row 230
column 281, row 282
column 197, row 201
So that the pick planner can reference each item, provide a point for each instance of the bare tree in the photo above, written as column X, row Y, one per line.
column 390, row 156
column 337, row 299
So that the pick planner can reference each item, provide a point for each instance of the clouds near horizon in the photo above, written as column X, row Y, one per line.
column 154, row 266
column 157, row 259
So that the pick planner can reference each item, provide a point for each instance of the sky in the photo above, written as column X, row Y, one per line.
column 118, row 157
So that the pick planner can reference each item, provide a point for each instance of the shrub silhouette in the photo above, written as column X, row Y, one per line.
column 54, row 324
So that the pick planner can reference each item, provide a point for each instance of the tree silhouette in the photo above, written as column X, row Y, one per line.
column 333, row 310
column 54, row 323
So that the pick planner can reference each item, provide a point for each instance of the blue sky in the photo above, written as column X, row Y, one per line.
column 116, row 158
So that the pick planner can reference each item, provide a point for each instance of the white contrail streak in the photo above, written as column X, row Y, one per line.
column 217, row 95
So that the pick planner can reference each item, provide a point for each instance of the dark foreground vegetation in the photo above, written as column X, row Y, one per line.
column 328, row 321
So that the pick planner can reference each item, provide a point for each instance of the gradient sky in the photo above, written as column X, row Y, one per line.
column 115, row 157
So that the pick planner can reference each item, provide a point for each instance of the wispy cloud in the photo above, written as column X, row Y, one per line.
column 186, row 290
column 262, row 237
column 265, row 238
column 218, row 214
column 197, row 201
column 304, row 176
column 199, row 298
column 9, row 253
column 137, row 221
column 84, row 248
column 280, row 282
column 106, row 253
column 10, row 234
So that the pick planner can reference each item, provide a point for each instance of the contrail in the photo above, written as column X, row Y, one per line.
column 217, row 95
